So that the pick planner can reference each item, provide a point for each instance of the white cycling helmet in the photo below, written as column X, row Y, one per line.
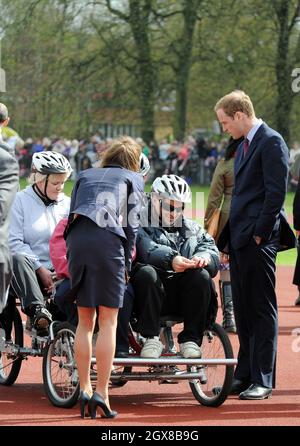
column 144, row 165
column 173, row 188
column 50, row 162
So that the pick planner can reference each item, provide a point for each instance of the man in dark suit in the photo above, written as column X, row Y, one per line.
column 296, row 218
column 9, row 183
column 256, row 231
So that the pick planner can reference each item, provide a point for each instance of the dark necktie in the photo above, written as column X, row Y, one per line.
column 245, row 147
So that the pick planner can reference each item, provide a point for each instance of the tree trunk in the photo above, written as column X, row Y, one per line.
column 184, row 66
column 139, row 23
column 283, row 73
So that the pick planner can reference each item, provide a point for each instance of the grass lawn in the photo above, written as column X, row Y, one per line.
column 284, row 258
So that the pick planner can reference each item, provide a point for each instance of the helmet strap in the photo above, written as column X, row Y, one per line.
column 43, row 195
column 45, row 188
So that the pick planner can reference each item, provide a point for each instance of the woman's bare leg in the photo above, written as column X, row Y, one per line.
column 105, row 348
column 83, row 346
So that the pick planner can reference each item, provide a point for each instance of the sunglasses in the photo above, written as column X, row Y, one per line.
column 170, row 208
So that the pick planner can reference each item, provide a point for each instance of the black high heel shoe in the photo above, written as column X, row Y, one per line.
column 97, row 400
column 83, row 399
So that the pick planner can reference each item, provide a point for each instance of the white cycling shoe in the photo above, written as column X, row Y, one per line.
column 190, row 350
column 152, row 348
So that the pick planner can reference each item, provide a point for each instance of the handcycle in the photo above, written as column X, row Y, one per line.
column 12, row 341
column 209, row 377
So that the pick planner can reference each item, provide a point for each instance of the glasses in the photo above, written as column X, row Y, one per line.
column 170, row 208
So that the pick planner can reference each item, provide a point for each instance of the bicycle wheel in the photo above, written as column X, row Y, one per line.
column 11, row 335
column 215, row 383
column 60, row 375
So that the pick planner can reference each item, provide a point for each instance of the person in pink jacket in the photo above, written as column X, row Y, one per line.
column 64, row 296
column 58, row 253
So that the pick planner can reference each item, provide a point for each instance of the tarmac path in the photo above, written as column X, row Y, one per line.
column 151, row 404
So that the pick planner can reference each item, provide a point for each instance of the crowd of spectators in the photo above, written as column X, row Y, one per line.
column 194, row 159
column 186, row 159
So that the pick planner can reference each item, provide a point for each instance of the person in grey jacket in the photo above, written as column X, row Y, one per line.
column 4, row 120
column 177, row 260
column 9, row 183
column 34, row 215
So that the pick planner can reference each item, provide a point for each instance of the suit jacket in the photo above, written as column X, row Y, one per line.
column 9, row 184
column 112, row 198
column 296, row 208
column 259, row 192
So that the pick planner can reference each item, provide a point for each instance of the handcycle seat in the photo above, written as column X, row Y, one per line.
column 169, row 320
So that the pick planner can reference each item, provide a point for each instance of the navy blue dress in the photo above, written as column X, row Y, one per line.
column 101, row 238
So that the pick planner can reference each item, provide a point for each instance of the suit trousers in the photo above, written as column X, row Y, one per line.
column 253, row 290
column 186, row 295
column 296, row 278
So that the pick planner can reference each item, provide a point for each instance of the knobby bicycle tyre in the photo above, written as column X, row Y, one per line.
column 60, row 374
column 212, row 391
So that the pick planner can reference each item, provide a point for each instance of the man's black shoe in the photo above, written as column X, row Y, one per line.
column 42, row 332
column 256, row 392
column 42, row 318
column 238, row 386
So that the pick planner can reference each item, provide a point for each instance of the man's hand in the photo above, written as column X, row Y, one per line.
column 200, row 262
column 46, row 278
column 180, row 264
column 257, row 239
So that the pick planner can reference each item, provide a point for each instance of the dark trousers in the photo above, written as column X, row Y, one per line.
column 296, row 278
column 122, row 342
column 25, row 283
column 65, row 300
column 183, row 294
column 255, row 308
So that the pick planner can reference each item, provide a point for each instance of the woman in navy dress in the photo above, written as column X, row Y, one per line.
column 100, row 237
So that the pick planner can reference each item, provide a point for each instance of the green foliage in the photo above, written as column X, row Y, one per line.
column 72, row 64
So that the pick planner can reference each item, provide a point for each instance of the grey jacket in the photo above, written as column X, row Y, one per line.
column 9, row 183
column 157, row 246
column 32, row 224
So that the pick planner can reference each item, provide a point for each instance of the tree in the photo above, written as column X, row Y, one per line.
column 180, row 50
column 138, row 18
column 51, row 68
column 287, row 14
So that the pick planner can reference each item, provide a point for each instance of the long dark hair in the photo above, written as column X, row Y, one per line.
column 232, row 147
